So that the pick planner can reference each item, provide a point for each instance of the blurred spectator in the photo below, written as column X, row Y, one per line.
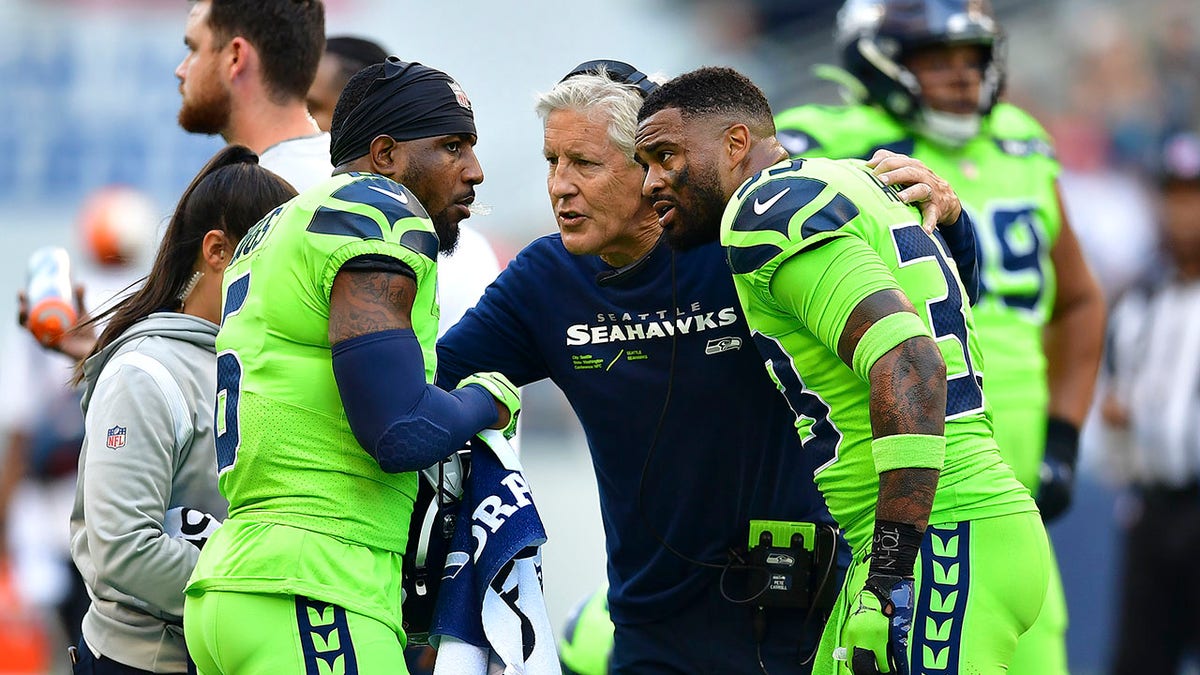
column 1115, row 214
column 344, row 56
column 1151, row 411
column 22, row 637
column 1114, row 81
column 1177, row 60
column 40, row 416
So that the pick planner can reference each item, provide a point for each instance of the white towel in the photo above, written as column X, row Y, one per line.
column 190, row 525
column 491, row 616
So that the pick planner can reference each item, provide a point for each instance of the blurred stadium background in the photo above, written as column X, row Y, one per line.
column 88, row 98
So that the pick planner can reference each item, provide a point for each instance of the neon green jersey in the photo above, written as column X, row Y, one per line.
column 1005, row 178
column 310, row 512
column 788, row 214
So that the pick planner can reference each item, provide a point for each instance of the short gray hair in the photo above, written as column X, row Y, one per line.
column 594, row 95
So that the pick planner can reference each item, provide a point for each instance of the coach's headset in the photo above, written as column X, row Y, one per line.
column 617, row 71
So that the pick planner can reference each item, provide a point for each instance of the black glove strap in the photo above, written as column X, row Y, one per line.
column 882, row 586
column 894, row 549
column 1062, row 441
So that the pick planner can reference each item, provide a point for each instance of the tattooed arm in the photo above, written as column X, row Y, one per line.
column 848, row 298
column 908, row 408
column 908, row 396
column 845, row 295
column 400, row 419
column 366, row 301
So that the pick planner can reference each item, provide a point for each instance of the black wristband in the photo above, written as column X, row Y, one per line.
column 894, row 549
column 1062, row 441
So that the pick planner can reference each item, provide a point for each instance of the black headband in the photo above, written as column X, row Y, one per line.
column 409, row 101
column 617, row 71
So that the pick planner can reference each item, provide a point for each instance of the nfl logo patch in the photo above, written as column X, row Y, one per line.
column 116, row 438
column 460, row 95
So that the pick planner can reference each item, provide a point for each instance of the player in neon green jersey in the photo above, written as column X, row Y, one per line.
column 929, row 74
column 864, row 325
column 325, row 407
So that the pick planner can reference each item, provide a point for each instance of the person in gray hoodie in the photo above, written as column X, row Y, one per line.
column 146, row 498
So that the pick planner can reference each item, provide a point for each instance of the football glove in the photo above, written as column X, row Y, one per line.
column 876, row 633
column 503, row 391
column 190, row 525
column 1056, row 477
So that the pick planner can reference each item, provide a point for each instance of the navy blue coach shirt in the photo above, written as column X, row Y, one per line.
column 727, row 451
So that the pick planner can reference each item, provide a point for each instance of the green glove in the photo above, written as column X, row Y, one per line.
column 876, row 633
column 503, row 391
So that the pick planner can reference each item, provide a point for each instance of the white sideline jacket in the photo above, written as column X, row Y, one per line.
column 149, row 447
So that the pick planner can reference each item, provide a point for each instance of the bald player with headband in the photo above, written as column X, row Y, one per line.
column 325, row 407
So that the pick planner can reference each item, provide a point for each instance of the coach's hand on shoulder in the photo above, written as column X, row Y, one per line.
column 508, row 399
column 937, row 201
column 875, row 637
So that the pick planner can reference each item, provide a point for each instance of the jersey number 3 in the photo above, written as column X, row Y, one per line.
column 229, row 382
column 964, row 385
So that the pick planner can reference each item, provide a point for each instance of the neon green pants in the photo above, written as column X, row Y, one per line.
column 1020, row 428
column 250, row 634
column 1042, row 650
column 980, row 585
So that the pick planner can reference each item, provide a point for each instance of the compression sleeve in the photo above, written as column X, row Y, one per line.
column 405, row 423
column 960, row 240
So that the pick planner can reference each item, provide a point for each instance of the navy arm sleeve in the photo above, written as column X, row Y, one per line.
column 403, row 422
column 497, row 334
column 960, row 240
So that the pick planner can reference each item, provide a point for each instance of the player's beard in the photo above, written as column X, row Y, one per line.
column 445, row 221
column 447, row 232
column 207, row 111
column 698, row 220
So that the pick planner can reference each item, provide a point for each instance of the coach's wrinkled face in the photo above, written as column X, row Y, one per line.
column 682, row 158
column 595, row 189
